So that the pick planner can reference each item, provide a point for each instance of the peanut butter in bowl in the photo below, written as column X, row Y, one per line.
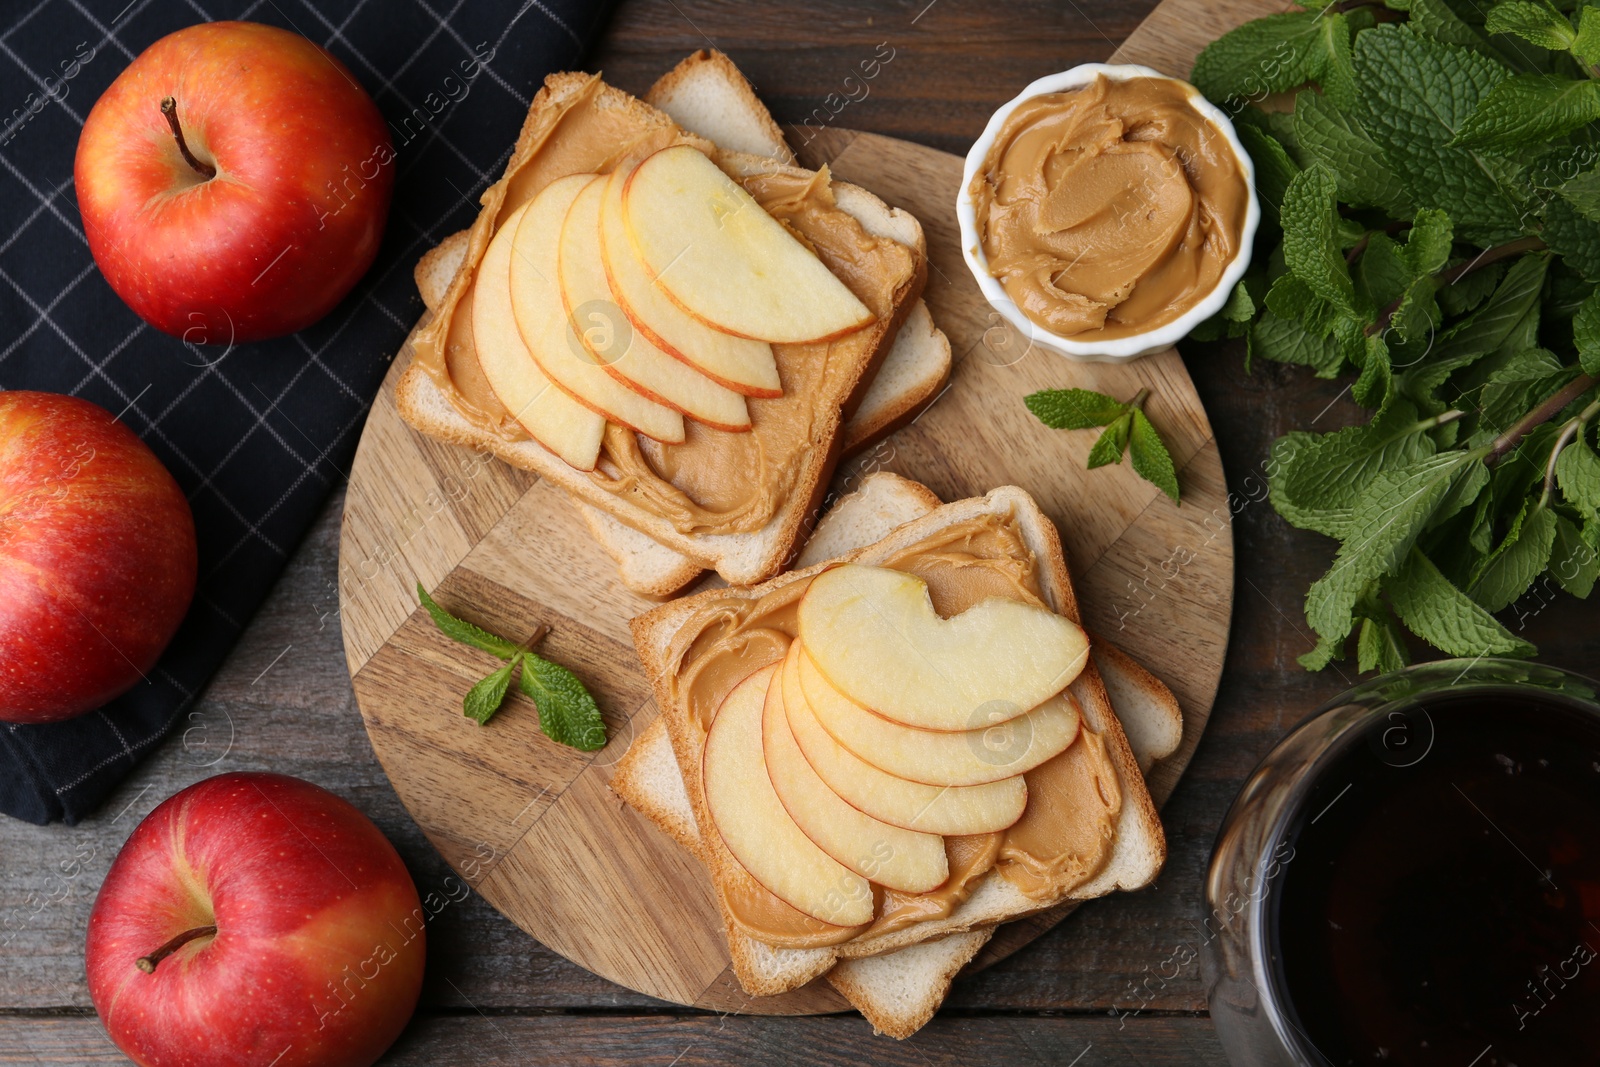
column 1107, row 211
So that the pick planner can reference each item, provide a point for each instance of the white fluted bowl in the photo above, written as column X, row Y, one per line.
column 1134, row 345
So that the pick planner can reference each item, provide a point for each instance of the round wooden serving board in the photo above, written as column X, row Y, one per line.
column 531, row 825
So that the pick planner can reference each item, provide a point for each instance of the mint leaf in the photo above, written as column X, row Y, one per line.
column 1445, row 617
column 1310, row 248
column 485, row 698
column 1272, row 55
column 1379, row 646
column 1518, row 384
column 1317, row 485
column 1151, row 460
column 1536, row 23
column 1465, row 491
column 1390, row 514
column 1576, row 565
column 1291, row 298
column 1274, row 169
column 1073, row 409
column 567, row 713
column 1418, row 314
column 1373, row 387
column 1470, row 290
column 1241, row 307
column 1286, row 341
column 1521, row 558
column 1511, row 311
column 1428, row 242
column 1573, row 237
column 1528, row 111
column 1383, row 270
column 1587, row 45
column 1582, row 190
column 1415, row 94
column 463, row 631
column 1336, row 140
column 1578, row 474
column 1437, row 19
column 1325, row 653
column 1109, row 448
column 1279, row 125
column 1586, row 333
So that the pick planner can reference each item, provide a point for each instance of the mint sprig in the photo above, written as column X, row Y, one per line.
column 567, row 712
column 1434, row 238
column 1127, row 430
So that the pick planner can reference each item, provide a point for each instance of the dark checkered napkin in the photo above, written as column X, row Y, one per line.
column 259, row 436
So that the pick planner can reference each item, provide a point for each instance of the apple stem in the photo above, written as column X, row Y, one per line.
column 169, row 108
column 147, row 964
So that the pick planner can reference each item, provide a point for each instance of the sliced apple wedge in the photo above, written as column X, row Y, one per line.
column 608, row 336
column 545, row 329
column 935, row 757
column 746, row 366
column 718, row 254
column 755, row 825
column 956, row 810
column 550, row 416
column 891, row 856
column 874, row 634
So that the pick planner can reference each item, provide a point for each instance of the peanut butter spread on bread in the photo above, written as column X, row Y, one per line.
column 1065, row 835
column 715, row 481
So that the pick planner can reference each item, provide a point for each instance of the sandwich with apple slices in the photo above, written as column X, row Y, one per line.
column 828, row 890
column 898, row 991
column 674, row 333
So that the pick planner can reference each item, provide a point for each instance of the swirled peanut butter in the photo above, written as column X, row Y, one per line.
column 1111, row 209
column 1065, row 834
column 713, row 481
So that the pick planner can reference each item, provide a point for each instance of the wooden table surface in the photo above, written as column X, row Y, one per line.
column 1117, row 983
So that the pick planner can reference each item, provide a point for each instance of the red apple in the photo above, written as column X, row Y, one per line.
column 256, row 919
column 97, row 557
column 252, row 203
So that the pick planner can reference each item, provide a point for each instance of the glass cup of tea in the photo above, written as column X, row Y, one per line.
column 1412, row 877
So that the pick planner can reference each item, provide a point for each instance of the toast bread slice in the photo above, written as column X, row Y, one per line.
column 739, row 557
column 881, row 504
column 1139, row 846
column 1149, row 711
column 897, row 992
column 707, row 94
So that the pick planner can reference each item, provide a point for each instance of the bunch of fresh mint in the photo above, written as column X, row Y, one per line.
column 1429, row 172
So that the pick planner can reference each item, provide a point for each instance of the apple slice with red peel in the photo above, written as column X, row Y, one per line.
column 756, row 827
column 553, row 418
column 546, row 330
column 955, row 810
column 746, row 366
column 875, row 636
column 906, row 860
column 625, row 354
column 941, row 757
column 718, row 254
